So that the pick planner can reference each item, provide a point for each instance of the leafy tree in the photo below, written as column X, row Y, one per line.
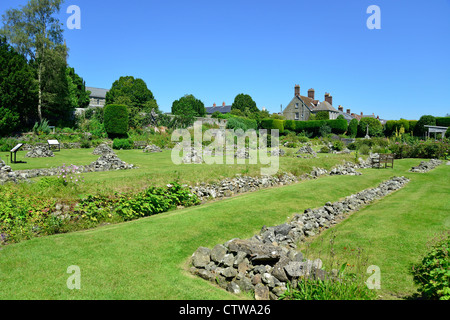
column 133, row 92
column 55, row 96
column 78, row 96
column 426, row 120
column 244, row 103
column 35, row 32
column 375, row 127
column 189, row 105
column 18, row 90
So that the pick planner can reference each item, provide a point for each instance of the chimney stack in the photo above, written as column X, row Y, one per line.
column 328, row 98
column 214, row 105
column 297, row 90
column 223, row 104
column 348, row 111
column 311, row 94
column 341, row 108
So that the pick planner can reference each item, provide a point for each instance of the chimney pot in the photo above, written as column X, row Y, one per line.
column 214, row 105
column 297, row 90
column 328, row 98
column 223, row 104
column 341, row 108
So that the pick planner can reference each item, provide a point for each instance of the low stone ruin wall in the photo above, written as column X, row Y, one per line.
column 266, row 263
column 426, row 166
column 107, row 162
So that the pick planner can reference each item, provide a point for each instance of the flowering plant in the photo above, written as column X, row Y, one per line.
column 70, row 175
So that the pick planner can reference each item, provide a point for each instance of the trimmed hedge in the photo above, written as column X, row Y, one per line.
column 271, row 124
column 116, row 120
column 443, row 121
column 338, row 126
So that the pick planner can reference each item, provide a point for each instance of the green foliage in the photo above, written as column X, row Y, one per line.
column 364, row 149
column 216, row 115
column 41, row 128
column 9, row 121
column 78, row 96
column 18, row 90
column 244, row 103
column 324, row 130
column 375, row 127
column 131, row 92
column 338, row 145
column 122, row 144
column 432, row 274
column 273, row 124
column 443, row 121
column 426, row 120
column 353, row 128
column 116, row 120
column 189, row 105
column 245, row 124
column 323, row 115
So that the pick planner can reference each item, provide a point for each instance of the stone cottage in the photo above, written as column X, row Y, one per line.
column 301, row 107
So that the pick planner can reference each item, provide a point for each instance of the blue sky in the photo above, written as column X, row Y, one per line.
column 218, row 49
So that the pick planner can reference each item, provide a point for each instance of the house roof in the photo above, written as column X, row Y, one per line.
column 308, row 102
column 325, row 106
column 347, row 116
column 97, row 92
column 221, row 109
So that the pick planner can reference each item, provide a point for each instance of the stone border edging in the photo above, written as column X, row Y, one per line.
column 268, row 261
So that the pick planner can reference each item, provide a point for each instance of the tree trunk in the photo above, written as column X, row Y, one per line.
column 40, row 93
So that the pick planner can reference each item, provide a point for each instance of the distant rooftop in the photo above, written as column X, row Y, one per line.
column 97, row 92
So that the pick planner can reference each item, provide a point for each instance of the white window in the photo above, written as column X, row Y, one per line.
column 297, row 116
column 296, row 106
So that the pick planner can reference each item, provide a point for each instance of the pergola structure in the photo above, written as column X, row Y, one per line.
column 436, row 130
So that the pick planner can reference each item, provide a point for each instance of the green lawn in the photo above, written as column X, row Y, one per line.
column 146, row 259
column 156, row 169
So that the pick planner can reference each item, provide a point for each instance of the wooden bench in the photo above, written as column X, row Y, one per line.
column 386, row 159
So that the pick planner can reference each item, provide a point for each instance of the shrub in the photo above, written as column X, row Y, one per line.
column 338, row 145
column 324, row 149
column 125, row 144
column 324, row 130
column 364, row 149
column 432, row 274
column 116, row 120
column 353, row 128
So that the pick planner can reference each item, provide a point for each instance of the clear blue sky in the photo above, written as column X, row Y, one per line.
column 218, row 49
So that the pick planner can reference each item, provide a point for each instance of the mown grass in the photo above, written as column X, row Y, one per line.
column 146, row 259
column 154, row 169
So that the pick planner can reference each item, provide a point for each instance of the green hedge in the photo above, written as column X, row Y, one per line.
column 443, row 121
column 116, row 120
column 273, row 124
column 338, row 126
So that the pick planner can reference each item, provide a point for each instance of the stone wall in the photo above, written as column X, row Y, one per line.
column 426, row 166
column 266, row 263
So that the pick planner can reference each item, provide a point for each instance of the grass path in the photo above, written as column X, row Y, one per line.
column 145, row 259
